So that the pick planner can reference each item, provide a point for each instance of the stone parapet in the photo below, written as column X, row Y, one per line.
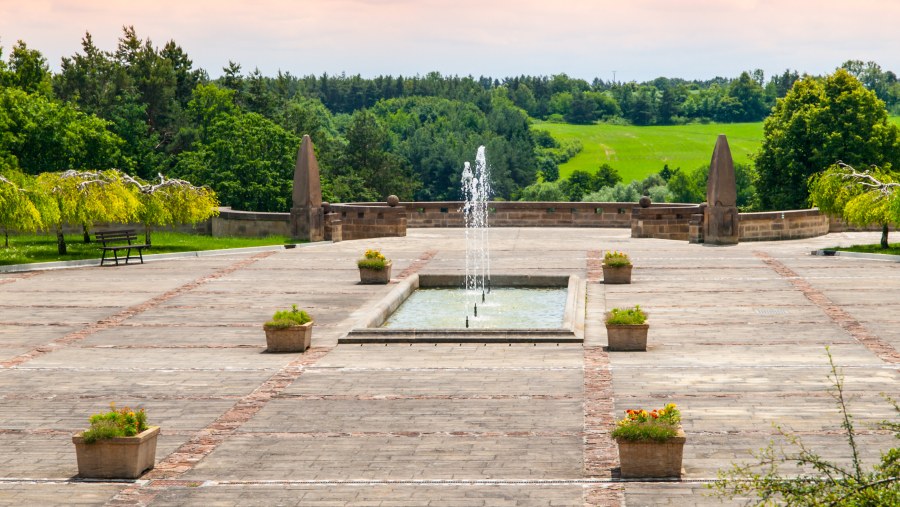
column 779, row 225
column 250, row 224
column 371, row 220
column 523, row 214
column 663, row 221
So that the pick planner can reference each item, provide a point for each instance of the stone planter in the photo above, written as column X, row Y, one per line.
column 625, row 338
column 651, row 459
column 617, row 274
column 376, row 276
column 117, row 458
column 289, row 339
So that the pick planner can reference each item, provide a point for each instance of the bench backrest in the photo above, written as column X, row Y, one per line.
column 110, row 236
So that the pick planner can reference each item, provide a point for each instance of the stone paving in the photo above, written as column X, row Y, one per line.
column 737, row 340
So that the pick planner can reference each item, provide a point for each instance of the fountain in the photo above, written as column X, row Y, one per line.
column 476, row 190
column 499, row 308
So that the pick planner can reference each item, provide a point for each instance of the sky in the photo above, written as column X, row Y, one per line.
column 625, row 40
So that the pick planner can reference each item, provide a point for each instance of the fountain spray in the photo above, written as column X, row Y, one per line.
column 476, row 190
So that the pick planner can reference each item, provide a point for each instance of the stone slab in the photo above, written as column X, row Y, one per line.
column 248, row 457
column 421, row 415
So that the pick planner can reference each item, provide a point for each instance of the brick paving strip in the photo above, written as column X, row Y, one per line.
column 417, row 264
column 19, row 276
column 131, row 311
column 600, row 452
column 165, row 474
column 882, row 349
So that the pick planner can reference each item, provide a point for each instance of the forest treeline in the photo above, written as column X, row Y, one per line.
column 146, row 109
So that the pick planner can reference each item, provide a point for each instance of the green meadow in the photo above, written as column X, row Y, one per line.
column 637, row 152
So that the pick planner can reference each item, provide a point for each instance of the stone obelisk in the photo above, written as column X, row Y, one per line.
column 307, row 213
column 721, row 218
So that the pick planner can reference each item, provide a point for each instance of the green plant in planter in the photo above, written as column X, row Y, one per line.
column 372, row 259
column 658, row 425
column 123, row 422
column 626, row 317
column 615, row 259
column 288, row 318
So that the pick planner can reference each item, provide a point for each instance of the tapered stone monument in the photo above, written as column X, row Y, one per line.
column 721, row 218
column 307, row 213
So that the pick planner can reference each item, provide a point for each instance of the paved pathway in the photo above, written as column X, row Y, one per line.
column 738, row 337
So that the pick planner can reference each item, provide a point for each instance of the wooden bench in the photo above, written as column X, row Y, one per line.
column 112, row 241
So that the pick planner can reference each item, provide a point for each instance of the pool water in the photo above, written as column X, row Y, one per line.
column 503, row 308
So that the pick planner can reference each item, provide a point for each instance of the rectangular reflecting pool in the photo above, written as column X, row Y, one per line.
column 432, row 308
column 502, row 308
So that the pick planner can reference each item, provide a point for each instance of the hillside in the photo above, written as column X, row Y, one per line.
column 640, row 151
column 637, row 152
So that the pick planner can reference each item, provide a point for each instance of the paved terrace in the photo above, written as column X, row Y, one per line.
column 738, row 337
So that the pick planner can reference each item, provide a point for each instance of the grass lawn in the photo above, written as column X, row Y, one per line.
column 637, row 152
column 28, row 248
column 894, row 249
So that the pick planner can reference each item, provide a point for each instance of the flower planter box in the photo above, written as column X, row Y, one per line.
column 289, row 339
column 117, row 458
column 375, row 276
column 617, row 274
column 627, row 338
column 651, row 459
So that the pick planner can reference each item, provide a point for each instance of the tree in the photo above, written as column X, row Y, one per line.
column 817, row 124
column 170, row 202
column 546, row 191
column 746, row 100
column 246, row 159
column 367, row 155
column 606, row 176
column 28, row 70
column 17, row 211
column 39, row 135
column 861, row 198
column 577, row 184
column 85, row 197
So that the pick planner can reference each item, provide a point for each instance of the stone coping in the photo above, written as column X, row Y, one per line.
column 857, row 255
column 368, row 329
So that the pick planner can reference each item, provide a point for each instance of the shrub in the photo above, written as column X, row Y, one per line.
column 372, row 259
column 123, row 422
column 626, row 317
column 288, row 318
column 615, row 259
column 812, row 480
column 656, row 425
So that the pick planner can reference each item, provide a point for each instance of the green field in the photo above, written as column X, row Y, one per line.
column 637, row 152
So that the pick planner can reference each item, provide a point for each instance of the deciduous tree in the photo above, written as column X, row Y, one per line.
column 859, row 197
column 817, row 124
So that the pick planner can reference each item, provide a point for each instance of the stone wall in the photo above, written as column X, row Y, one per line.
column 663, row 221
column 370, row 220
column 684, row 223
column 524, row 214
column 250, row 224
column 779, row 225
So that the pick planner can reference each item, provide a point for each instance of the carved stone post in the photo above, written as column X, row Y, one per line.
column 721, row 220
column 307, row 213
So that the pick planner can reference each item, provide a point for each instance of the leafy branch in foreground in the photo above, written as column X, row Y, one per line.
column 818, row 482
